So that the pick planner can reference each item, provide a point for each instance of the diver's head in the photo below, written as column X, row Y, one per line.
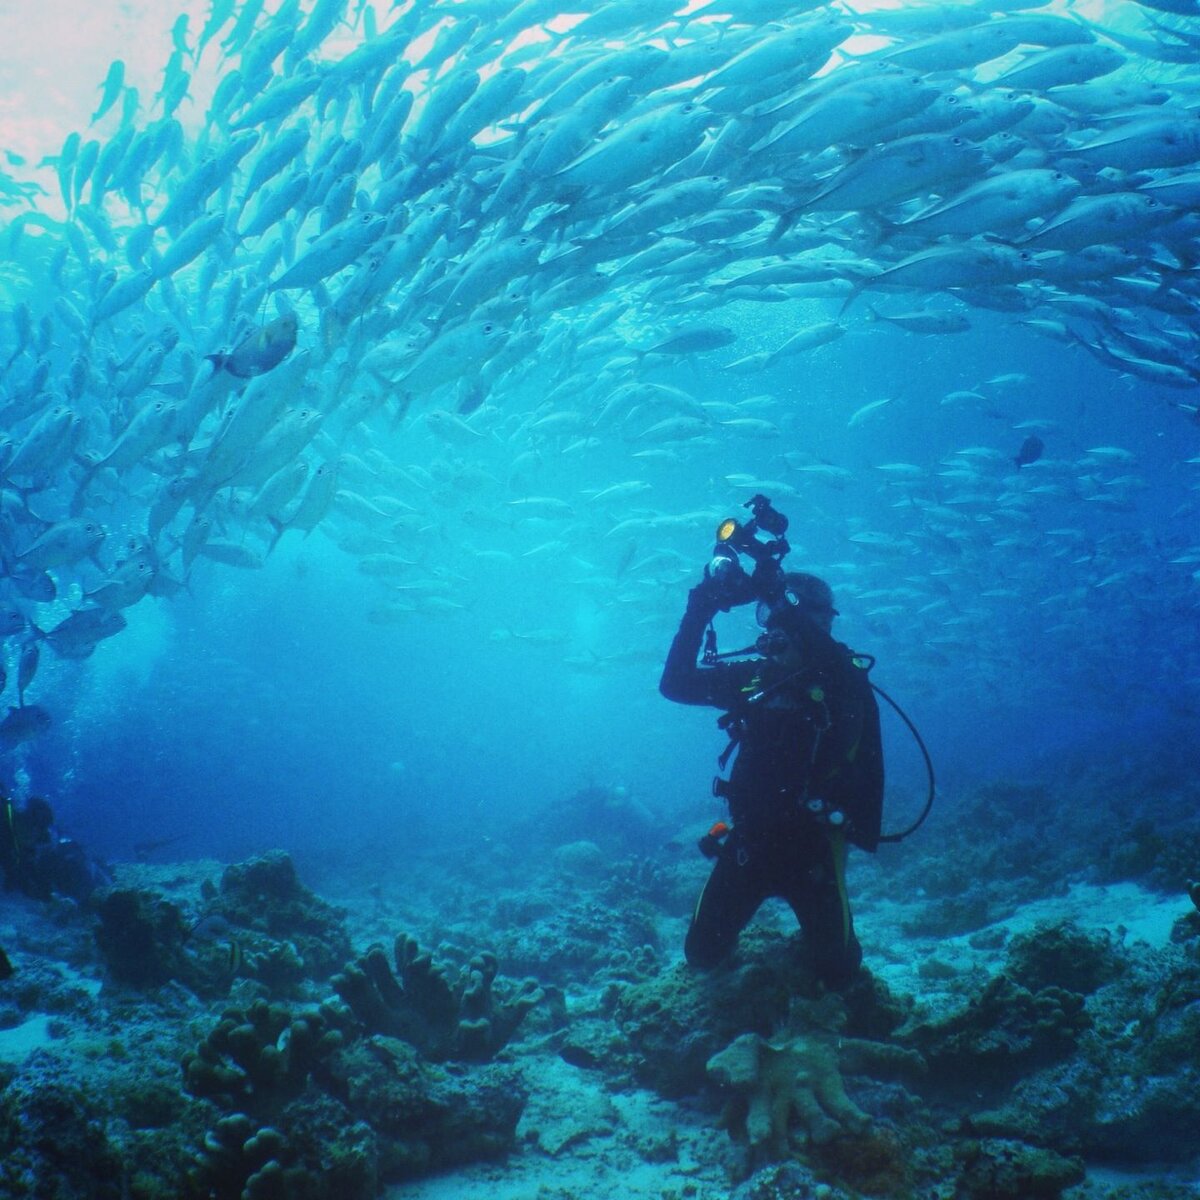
column 804, row 595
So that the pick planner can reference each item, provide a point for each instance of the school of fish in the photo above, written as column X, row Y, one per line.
column 474, row 272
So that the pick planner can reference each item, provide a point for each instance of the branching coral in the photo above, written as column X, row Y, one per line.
column 467, row 1017
column 257, row 1059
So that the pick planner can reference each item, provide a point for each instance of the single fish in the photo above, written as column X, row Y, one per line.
column 259, row 351
column 79, row 634
column 24, row 724
column 114, row 81
column 1030, row 451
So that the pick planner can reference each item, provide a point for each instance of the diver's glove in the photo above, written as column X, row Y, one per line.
column 710, row 844
column 724, row 586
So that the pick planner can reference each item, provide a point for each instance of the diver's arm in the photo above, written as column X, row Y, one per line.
column 682, row 680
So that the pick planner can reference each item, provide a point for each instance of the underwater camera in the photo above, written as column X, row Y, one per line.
column 736, row 537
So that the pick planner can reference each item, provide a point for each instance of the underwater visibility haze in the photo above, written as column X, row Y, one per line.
column 373, row 379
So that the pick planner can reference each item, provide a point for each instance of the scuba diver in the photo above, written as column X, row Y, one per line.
column 37, row 860
column 807, row 773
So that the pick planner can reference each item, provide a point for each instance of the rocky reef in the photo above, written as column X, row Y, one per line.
column 193, row 1037
column 278, row 1097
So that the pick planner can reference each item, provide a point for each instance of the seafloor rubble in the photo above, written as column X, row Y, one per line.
column 223, row 1032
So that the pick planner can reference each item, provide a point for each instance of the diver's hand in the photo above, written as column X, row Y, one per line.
column 724, row 586
column 738, row 589
column 732, row 585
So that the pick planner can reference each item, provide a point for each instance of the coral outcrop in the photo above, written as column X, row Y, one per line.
column 424, row 1116
column 1060, row 954
column 264, row 896
column 141, row 936
column 678, row 1019
column 1005, row 1030
column 994, row 1169
column 257, row 1059
column 261, row 923
column 468, row 1014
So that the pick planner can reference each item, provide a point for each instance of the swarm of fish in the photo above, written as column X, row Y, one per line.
column 490, row 229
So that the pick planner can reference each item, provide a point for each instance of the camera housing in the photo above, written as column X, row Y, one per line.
column 736, row 537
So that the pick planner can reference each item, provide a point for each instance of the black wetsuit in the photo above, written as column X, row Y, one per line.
column 800, row 737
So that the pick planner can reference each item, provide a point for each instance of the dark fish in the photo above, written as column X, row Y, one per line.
column 260, row 351
column 77, row 635
column 24, row 724
column 27, row 669
column 6, row 967
column 1030, row 451
column 211, row 927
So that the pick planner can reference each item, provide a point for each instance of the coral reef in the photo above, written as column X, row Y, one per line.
column 467, row 1015
column 304, row 1103
column 986, row 1066
column 774, row 1081
column 51, row 1144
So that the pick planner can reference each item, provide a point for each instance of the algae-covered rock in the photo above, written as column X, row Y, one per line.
column 52, row 1143
column 1060, row 954
column 992, row 1169
column 427, row 1117
column 1005, row 1030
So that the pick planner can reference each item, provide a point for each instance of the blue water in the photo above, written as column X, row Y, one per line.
column 264, row 708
